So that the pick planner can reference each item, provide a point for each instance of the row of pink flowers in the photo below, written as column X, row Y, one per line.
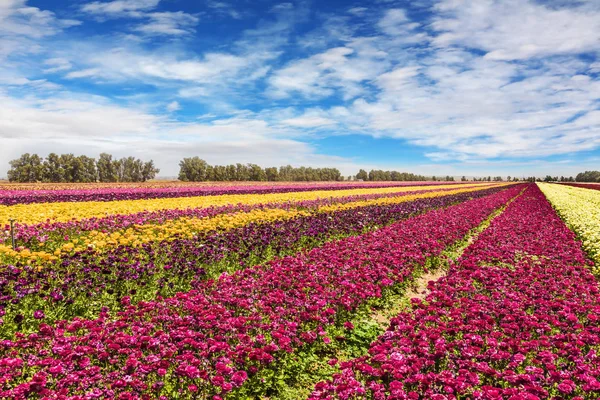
column 518, row 317
column 11, row 197
column 214, row 338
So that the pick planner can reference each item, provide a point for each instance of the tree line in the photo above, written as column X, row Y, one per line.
column 195, row 169
column 588, row 176
column 71, row 168
column 379, row 175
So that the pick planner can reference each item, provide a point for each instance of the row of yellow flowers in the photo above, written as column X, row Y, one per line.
column 137, row 235
column 62, row 212
column 580, row 209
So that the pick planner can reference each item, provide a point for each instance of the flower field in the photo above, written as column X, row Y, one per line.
column 48, row 230
column 516, row 317
column 21, row 194
column 256, row 291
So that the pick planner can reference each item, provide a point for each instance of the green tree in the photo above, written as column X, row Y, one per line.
column 219, row 173
column 272, row 174
column 149, row 171
column 193, row 169
column 87, row 172
column 231, row 172
column 362, row 175
column 588, row 176
column 257, row 174
column 53, row 169
column 27, row 168
column 106, row 168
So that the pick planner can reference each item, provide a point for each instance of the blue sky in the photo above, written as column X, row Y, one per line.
column 455, row 87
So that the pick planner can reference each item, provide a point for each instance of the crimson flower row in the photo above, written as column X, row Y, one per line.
column 211, row 339
column 516, row 318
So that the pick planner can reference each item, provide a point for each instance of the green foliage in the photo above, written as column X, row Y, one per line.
column 380, row 175
column 195, row 169
column 27, row 168
column 588, row 176
column 71, row 168
column 362, row 175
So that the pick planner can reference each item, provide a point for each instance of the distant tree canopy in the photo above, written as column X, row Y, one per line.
column 380, row 175
column 195, row 169
column 567, row 179
column 588, row 176
column 71, row 168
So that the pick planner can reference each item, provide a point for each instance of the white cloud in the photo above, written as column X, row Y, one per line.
column 358, row 11
column 321, row 75
column 479, row 110
column 84, row 73
column 224, row 9
column 282, row 7
column 120, row 8
column 123, row 63
column 18, row 19
column 395, row 22
column 57, row 64
column 168, row 23
column 308, row 121
column 397, row 79
column 516, row 29
column 69, row 124
column 447, row 97
column 173, row 106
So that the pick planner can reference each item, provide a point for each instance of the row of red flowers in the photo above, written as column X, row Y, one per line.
column 518, row 317
column 210, row 340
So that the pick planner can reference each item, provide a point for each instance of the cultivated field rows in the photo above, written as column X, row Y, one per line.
column 258, row 292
